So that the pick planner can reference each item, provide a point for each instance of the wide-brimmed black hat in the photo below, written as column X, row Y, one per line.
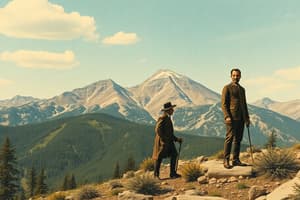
column 168, row 106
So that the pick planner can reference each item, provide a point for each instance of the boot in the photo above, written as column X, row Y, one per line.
column 226, row 164
column 237, row 162
column 157, row 168
column 173, row 173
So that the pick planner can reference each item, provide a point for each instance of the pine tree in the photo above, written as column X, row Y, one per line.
column 31, row 182
column 41, row 187
column 271, row 140
column 65, row 185
column 21, row 195
column 8, row 171
column 73, row 184
column 117, row 173
column 130, row 164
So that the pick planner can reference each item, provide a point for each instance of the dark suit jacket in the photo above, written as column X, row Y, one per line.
column 234, row 102
column 164, row 138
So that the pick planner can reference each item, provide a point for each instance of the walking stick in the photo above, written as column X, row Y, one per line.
column 177, row 159
column 251, row 153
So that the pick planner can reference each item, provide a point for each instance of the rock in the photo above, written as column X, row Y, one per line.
column 193, row 197
column 69, row 197
column 192, row 192
column 261, row 198
column 284, row 190
column 217, row 170
column 212, row 181
column 201, row 159
column 126, row 195
column 256, row 191
column 202, row 180
column 232, row 179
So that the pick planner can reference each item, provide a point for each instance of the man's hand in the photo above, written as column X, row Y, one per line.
column 227, row 120
column 180, row 140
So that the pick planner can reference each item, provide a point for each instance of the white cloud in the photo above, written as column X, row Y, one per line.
column 41, row 59
column 40, row 19
column 5, row 82
column 121, row 38
column 292, row 74
column 269, row 85
column 278, row 84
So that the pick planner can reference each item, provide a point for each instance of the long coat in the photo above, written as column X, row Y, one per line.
column 164, row 138
column 234, row 102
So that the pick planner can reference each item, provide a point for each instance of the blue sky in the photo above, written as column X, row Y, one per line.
column 48, row 47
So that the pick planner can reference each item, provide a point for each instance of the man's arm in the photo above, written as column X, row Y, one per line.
column 224, row 102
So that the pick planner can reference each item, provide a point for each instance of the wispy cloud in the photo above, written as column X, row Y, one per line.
column 276, row 84
column 5, row 82
column 292, row 74
column 40, row 59
column 40, row 19
column 121, row 38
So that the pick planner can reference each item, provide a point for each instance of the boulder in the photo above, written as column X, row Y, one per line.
column 216, row 169
column 128, row 195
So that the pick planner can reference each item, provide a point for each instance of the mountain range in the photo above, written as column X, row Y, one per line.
column 198, row 111
column 288, row 108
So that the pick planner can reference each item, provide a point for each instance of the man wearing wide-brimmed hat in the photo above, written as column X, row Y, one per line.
column 164, row 141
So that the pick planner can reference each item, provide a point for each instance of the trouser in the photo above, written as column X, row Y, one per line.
column 157, row 164
column 234, row 134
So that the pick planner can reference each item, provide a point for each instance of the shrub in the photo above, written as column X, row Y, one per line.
column 219, row 155
column 147, row 164
column 296, row 194
column 115, row 184
column 116, row 191
column 296, row 146
column 191, row 171
column 57, row 196
column 241, row 186
column 87, row 192
column 143, row 184
column 276, row 164
column 255, row 149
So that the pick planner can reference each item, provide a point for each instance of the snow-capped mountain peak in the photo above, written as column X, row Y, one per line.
column 165, row 73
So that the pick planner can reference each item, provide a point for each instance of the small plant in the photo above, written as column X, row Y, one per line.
column 144, row 184
column 190, row 186
column 191, row 171
column 215, row 194
column 296, row 146
column 116, row 191
column 271, row 143
column 57, row 196
column 219, row 155
column 88, row 192
column 255, row 149
column 296, row 194
column 147, row 164
column 241, row 186
column 277, row 164
column 115, row 184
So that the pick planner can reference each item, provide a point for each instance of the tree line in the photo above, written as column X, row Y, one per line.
column 15, row 186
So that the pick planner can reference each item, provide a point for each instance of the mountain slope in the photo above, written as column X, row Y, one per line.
column 90, row 145
column 289, row 108
column 208, row 120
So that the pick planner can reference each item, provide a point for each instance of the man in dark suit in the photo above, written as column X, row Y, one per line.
column 164, row 141
column 236, row 114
